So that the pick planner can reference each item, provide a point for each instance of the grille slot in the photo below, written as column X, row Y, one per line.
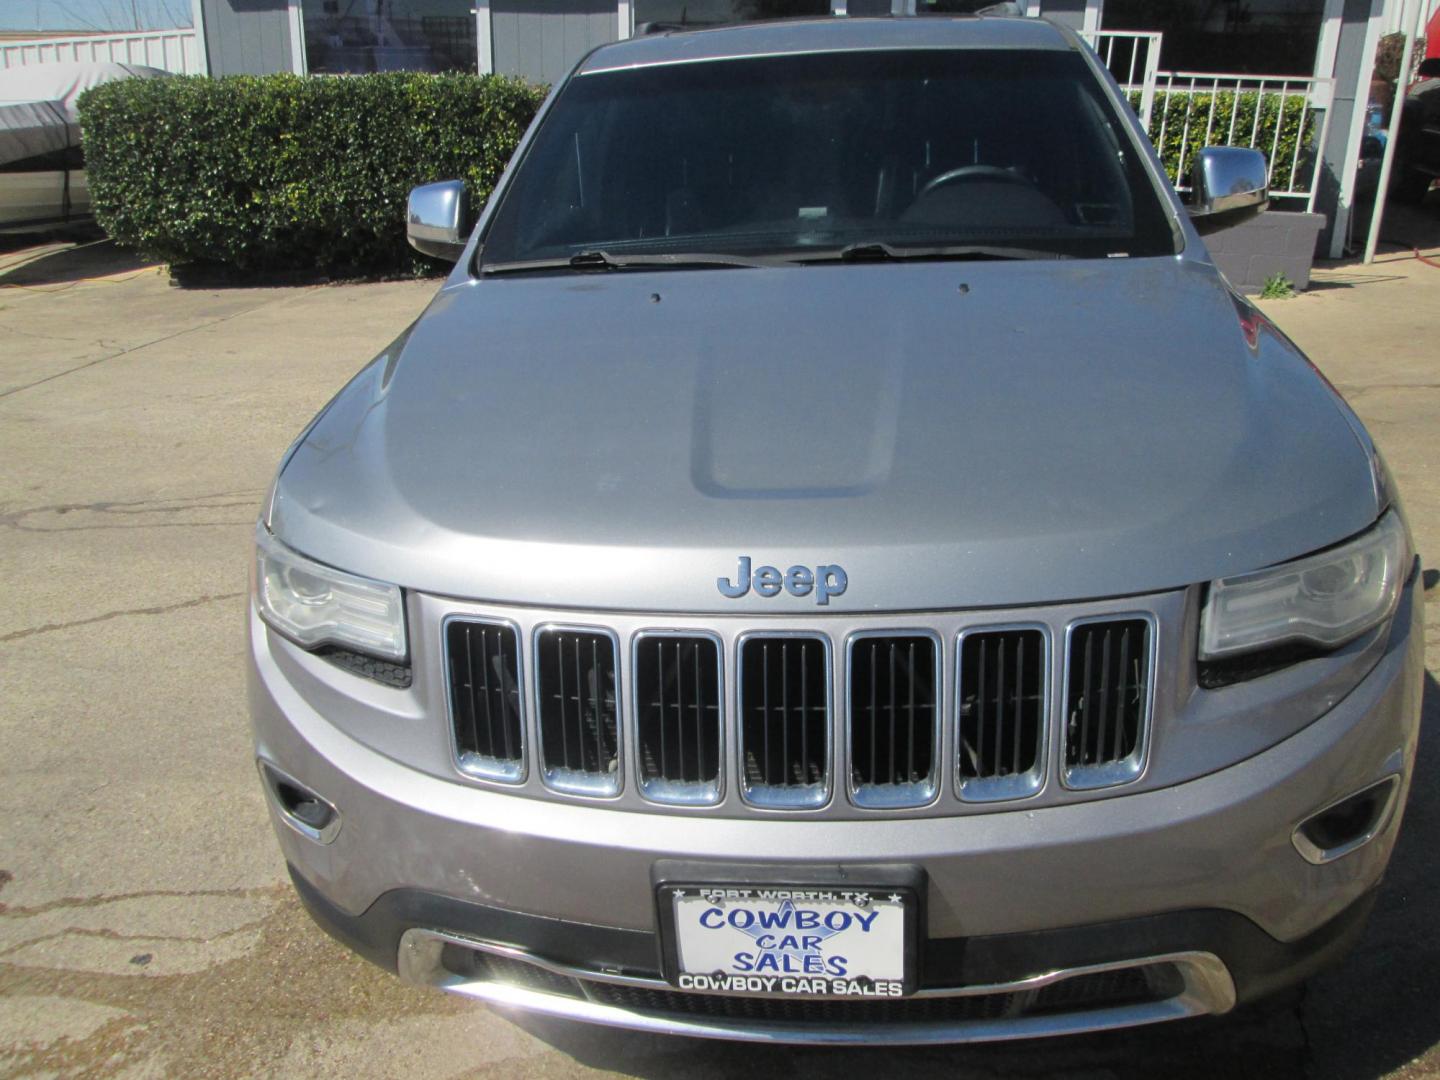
column 785, row 720
column 677, row 717
column 893, row 698
column 1107, row 699
column 576, row 699
column 1001, row 702
column 484, row 663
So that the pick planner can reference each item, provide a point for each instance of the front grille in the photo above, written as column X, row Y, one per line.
column 941, row 713
column 677, row 717
column 579, row 723
column 785, row 720
column 1001, row 698
column 1107, row 697
column 894, row 695
column 484, row 663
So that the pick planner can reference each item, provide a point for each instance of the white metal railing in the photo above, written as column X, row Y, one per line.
column 169, row 50
column 1286, row 118
column 1133, row 57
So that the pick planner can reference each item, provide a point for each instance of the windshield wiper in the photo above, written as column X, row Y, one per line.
column 598, row 259
column 879, row 251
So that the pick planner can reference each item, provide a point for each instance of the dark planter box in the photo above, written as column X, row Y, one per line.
column 1275, row 242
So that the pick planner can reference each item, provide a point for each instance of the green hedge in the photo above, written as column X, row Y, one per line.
column 279, row 172
column 1298, row 123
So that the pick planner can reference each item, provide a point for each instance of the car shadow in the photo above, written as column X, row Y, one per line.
column 1372, row 1014
column 63, row 260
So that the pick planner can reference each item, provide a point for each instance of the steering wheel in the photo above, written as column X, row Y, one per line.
column 976, row 172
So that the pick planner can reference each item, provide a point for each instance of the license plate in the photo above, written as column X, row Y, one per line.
column 785, row 941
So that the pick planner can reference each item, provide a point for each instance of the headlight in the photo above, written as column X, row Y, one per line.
column 1326, row 599
column 315, row 605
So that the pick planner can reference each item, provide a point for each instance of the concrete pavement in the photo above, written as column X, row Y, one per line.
column 146, row 928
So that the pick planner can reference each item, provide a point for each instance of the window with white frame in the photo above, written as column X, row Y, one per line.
column 717, row 12
column 359, row 36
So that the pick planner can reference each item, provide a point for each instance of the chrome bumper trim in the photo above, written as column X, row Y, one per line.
column 1207, row 989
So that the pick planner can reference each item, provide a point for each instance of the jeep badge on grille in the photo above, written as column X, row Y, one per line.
column 824, row 581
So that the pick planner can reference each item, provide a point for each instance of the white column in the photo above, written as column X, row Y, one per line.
column 1093, row 13
column 1329, row 43
column 1361, row 90
column 202, row 52
column 298, row 61
column 484, row 45
column 626, row 16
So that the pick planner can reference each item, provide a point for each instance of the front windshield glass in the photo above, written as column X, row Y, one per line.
column 797, row 156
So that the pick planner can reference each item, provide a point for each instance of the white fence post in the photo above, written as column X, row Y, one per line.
column 1152, row 76
column 1126, row 64
column 1316, row 94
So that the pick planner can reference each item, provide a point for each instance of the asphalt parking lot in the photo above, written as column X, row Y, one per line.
column 146, row 925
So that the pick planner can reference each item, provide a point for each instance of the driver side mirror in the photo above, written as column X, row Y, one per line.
column 1227, row 185
column 437, row 219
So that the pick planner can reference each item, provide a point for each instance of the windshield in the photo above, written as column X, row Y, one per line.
column 883, row 154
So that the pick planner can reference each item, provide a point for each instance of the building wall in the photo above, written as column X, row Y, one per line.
column 540, row 40
column 1070, row 13
column 247, row 37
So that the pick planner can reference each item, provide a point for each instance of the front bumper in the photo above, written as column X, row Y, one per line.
column 607, row 976
column 1205, row 867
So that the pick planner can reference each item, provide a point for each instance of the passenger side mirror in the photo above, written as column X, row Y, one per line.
column 437, row 219
column 1227, row 185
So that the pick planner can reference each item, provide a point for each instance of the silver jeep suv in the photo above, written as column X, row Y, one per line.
column 835, row 562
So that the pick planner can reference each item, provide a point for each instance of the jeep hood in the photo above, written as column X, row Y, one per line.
column 952, row 434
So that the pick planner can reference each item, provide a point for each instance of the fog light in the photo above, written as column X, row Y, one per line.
column 1348, row 824
column 300, row 808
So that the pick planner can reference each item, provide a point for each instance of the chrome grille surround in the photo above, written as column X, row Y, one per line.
column 1170, row 616
column 1132, row 765
column 1026, row 783
column 919, row 793
column 798, row 795
column 473, row 764
column 661, row 789
column 596, row 783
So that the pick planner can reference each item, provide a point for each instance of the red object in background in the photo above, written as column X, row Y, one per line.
column 1432, row 36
